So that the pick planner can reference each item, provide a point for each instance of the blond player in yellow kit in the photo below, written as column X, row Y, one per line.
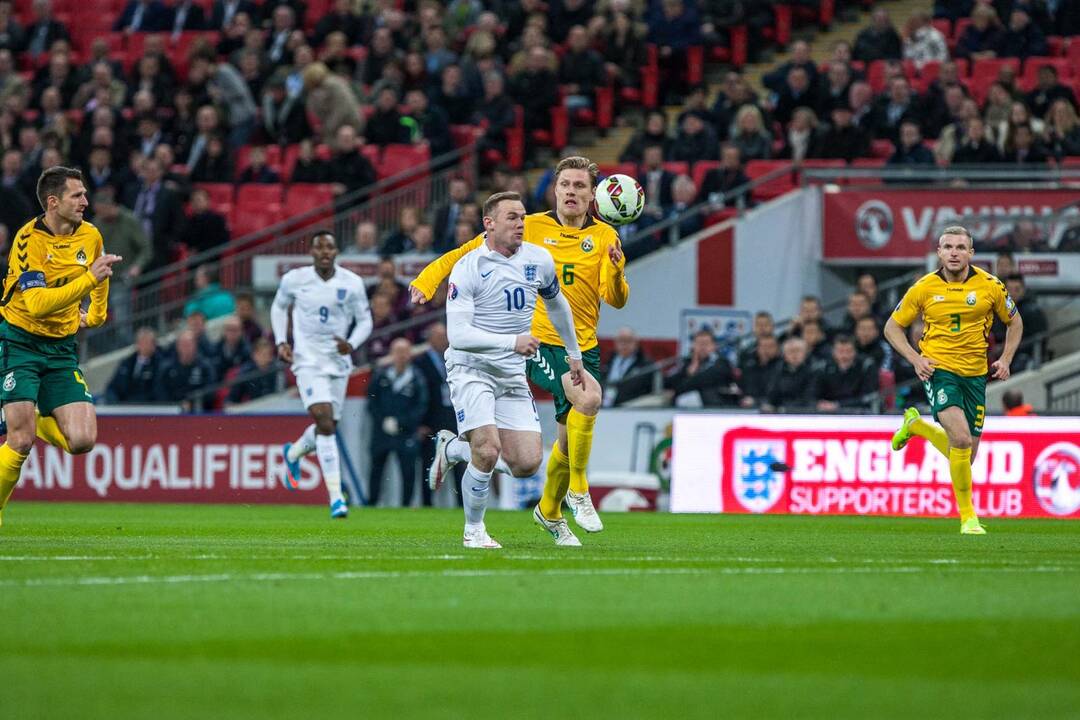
column 590, row 264
column 958, row 304
column 56, row 261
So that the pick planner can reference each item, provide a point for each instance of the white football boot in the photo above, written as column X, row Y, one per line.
column 584, row 513
column 441, row 465
column 477, row 537
column 558, row 529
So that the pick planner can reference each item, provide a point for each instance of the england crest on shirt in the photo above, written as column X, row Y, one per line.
column 530, row 273
column 341, row 293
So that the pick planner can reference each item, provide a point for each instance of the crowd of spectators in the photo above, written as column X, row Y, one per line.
column 920, row 95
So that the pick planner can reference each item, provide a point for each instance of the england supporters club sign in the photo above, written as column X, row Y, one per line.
column 891, row 226
column 844, row 465
column 212, row 459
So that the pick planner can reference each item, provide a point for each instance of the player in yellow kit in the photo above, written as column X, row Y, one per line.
column 958, row 304
column 56, row 261
column 590, row 264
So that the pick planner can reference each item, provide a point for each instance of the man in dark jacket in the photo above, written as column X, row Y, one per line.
column 847, row 380
column 1023, row 39
column 206, row 228
column 159, row 209
column 705, row 373
column 232, row 350
column 348, row 168
column 843, row 140
column 429, row 122
column 878, row 41
column 384, row 127
column 622, row 375
column 397, row 401
column 536, row 89
column 133, row 381
column 186, row 374
column 439, row 414
column 581, row 69
column 794, row 383
column 260, row 374
column 757, row 370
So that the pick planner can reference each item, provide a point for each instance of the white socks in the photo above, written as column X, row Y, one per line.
column 326, row 449
column 475, row 489
column 458, row 450
column 304, row 445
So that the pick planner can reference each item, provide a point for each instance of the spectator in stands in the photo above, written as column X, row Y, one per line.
column 720, row 181
column 44, row 31
column 439, row 413
column 308, row 168
column 430, row 123
column 657, row 183
column 143, row 16
column 801, row 140
column 228, row 90
column 581, row 70
column 654, row 133
column 454, row 98
column 910, row 151
column 257, row 171
column 536, row 89
column 800, row 58
column 923, row 42
column 12, row 35
column 975, row 147
column 809, row 311
column 673, row 27
column 623, row 375
column 127, row 238
column 14, row 199
column 223, row 12
column 794, row 383
column 408, row 220
column 205, row 228
column 385, row 126
column 950, row 110
column 704, row 378
column 447, row 215
column 1047, row 92
column 207, row 125
column 841, row 139
column 348, row 169
column 794, row 93
column 283, row 22
column 283, row 115
column 1013, row 402
column 996, row 111
column 867, row 284
column 233, row 349
column 757, row 369
column 135, row 377
column 260, row 376
column 817, row 344
column 1022, row 147
column 330, row 99
column 180, row 379
column 983, row 37
column 750, row 136
column 397, row 402
column 1035, row 322
column 1063, row 129
column 214, row 165
column 382, row 316
column 683, row 193
column 158, row 209
column 186, row 16
column 696, row 140
column 1004, row 264
column 953, row 134
column 893, row 109
column 1023, row 39
column 245, row 312
column 365, row 239
column 847, row 381
column 763, row 326
column 209, row 298
column 877, row 41
column 868, row 342
column 624, row 52
column 833, row 89
column 340, row 18
column 863, row 110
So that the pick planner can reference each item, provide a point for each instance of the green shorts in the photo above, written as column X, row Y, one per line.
column 550, row 363
column 42, row 370
column 945, row 389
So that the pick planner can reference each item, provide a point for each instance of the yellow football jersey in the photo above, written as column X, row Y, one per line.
column 957, row 316
column 48, row 277
column 581, row 258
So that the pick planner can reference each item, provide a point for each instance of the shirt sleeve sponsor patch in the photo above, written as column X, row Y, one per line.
column 1010, row 305
column 31, row 279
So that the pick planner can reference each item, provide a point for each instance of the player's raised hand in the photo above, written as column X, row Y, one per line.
column 284, row 351
column 101, row 268
column 343, row 346
column 416, row 296
column 526, row 345
column 615, row 253
column 1000, row 370
column 82, row 320
column 577, row 371
column 924, row 367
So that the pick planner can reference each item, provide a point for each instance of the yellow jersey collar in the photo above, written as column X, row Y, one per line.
column 39, row 225
column 941, row 274
column 555, row 216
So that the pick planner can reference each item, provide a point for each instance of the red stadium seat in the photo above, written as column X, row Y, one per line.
column 701, row 169
column 1031, row 71
column 1072, row 50
column 677, row 168
column 772, row 188
column 465, row 135
column 626, row 168
column 257, row 194
column 1056, row 44
column 396, row 159
column 273, row 158
column 303, row 198
column 288, row 161
column 220, row 193
column 959, row 28
column 944, row 25
column 986, row 71
column 882, row 148
column 248, row 219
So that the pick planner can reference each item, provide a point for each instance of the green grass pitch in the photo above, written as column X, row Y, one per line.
column 142, row 611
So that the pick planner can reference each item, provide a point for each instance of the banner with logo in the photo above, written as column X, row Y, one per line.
column 902, row 225
column 213, row 459
column 844, row 465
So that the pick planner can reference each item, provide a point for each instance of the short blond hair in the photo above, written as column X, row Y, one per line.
column 577, row 162
column 957, row 230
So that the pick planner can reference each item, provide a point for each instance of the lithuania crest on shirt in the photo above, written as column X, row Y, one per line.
column 80, row 257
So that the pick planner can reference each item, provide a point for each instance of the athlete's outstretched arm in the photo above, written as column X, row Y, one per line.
column 562, row 319
column 463, row 335
column 613, row 286
column 427, row 282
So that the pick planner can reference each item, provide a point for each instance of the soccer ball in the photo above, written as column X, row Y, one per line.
column 619, row 199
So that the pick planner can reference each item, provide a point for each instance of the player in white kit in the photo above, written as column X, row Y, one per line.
column 490, row 301
column 325, row 300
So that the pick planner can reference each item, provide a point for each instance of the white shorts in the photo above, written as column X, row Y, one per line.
column 317, row 387
column 481, row 399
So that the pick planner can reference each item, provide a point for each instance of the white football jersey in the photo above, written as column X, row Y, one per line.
column 500, row 292
column 321, row 311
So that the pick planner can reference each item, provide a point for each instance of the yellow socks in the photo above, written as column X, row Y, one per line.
column 579, row 431
column 558, row 479
column 49, row 431
column 10, row 465
column 960, row 471
column 934, row 434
